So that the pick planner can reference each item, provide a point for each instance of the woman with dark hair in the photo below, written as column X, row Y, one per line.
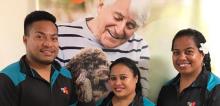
column 195, row 85
column 124, row 80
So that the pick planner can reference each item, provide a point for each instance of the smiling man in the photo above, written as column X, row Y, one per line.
column 112, row 30
column 36, row 79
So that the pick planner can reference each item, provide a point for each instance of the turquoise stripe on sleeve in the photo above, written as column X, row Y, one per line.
column 213, row 81
column 13, row 71
column 65, row 72
column 54, row 77
column 73, row 104
column 147, row 102
column 99, row 102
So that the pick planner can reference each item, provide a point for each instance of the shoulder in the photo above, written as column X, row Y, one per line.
column 138, row 39
column 135, row 42
column 147, row 102
column 213, row 81
column 214, row 90
column 138, row 43
column 105, row 101
column 74, row 32
column 78, row 24
column 13, row 72
column 99, row 102
column 170, row 83
column 72, row 24
column 169, row 87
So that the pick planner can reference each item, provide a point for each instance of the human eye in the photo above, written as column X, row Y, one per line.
column 117, row 17
column 55, row 38
column 175, row 52
column 123, row 77
column 39, row 35
column 113, row 78
column 131, row 25
column 189, row 52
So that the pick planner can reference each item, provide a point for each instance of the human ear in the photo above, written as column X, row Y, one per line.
column 25, row 39
column 136, row 78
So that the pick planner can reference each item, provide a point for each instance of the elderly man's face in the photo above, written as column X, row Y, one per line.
column 116, row 23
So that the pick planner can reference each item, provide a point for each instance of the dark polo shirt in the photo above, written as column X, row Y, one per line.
column 204, row 91
column 21, row 85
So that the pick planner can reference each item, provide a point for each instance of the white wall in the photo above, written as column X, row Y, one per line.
column 12, row 16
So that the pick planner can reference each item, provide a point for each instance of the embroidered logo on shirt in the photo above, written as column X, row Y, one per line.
column 65, row 90
column 193, row 103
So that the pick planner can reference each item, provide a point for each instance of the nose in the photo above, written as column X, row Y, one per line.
column 118, row 82
column 182, row 56
column 120, row 29
column 47, row 42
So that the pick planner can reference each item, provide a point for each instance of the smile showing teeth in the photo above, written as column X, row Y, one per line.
column 46, row 52
column 183, row 65
column 115, row 36
column 118, row 89
column 112, row 35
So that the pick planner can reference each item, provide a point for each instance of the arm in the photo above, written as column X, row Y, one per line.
column 8, row 95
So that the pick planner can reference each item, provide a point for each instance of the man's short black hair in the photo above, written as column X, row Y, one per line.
column 37, row 16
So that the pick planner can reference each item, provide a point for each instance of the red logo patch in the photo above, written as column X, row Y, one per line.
column 193, row 103
column 65, row 90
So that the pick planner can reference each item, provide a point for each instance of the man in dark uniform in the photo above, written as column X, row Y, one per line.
column 36, row 79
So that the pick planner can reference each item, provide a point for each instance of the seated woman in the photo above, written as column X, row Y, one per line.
column 124, row 80
column 195, row 85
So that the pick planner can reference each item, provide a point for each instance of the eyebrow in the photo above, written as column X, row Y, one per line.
column 120, row 75
column 54, row 34
column 184, row 49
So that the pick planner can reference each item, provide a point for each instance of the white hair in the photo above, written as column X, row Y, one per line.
column 141, row 9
